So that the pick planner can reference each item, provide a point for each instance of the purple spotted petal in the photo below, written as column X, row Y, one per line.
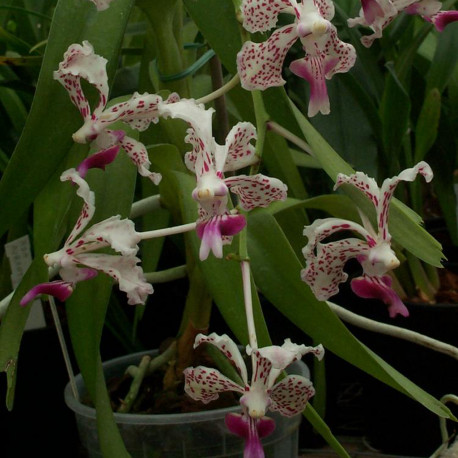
column 239, row 151
column 261, row 15
column 256, row 190
column 251, row 430
column 124, row 270
column 118, row 233
column 204, row 384
column 379, row 288
column 290, row 395
column 325, row 270
column 98, row 160
column 81, row 62
column 387, row 190
column 139, row 111
column 88, row 209
column 443, row 18
column 260, row 64
column 139, row 156
column 61, row 290
column 228, row 347
column 212, row 231
column 282, row 356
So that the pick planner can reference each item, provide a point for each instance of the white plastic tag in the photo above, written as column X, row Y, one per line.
column 20, row 256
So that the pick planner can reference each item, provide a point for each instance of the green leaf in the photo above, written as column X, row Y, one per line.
column 279, row 162
column 404, row 223
column 53, row 118
column 427, row 124
column 350, row 135
column 276, row 270
column 445, row 59
column 318, row 423
column 13, row 323
column 394, row 113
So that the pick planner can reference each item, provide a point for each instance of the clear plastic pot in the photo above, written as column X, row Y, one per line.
column 187, row 435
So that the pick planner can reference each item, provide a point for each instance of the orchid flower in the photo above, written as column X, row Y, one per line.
column 326, row 261
column 138, row 112
column 113, row 232
column 260, row 64
column 208, row 160
column 378, row 14
column 289, row 396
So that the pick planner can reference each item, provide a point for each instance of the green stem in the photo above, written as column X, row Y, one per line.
column 137, row 381
column 63, row 346
column 285, row 133
column 247, row 298
column 262, row 117
column 221, row 91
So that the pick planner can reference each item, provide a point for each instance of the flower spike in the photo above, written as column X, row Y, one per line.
column 289, row 396
column 325, row 261
column 113, row 232
column 260, row 64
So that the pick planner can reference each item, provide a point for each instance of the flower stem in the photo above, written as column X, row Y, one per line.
column 221, row 91
column 246, row 280
column 394, row 331
column 140, row 373
column 63, row 346
column 262, row 117
column 167, row 231
column 285, row 133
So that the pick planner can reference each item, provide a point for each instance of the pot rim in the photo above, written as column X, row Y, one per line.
column 152, row 419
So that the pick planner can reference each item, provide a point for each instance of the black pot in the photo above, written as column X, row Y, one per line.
column 393, row 422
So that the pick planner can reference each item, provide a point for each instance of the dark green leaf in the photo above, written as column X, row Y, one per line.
column 445, row 59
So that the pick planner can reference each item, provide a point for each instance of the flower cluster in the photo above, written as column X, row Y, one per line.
column 215, row 165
